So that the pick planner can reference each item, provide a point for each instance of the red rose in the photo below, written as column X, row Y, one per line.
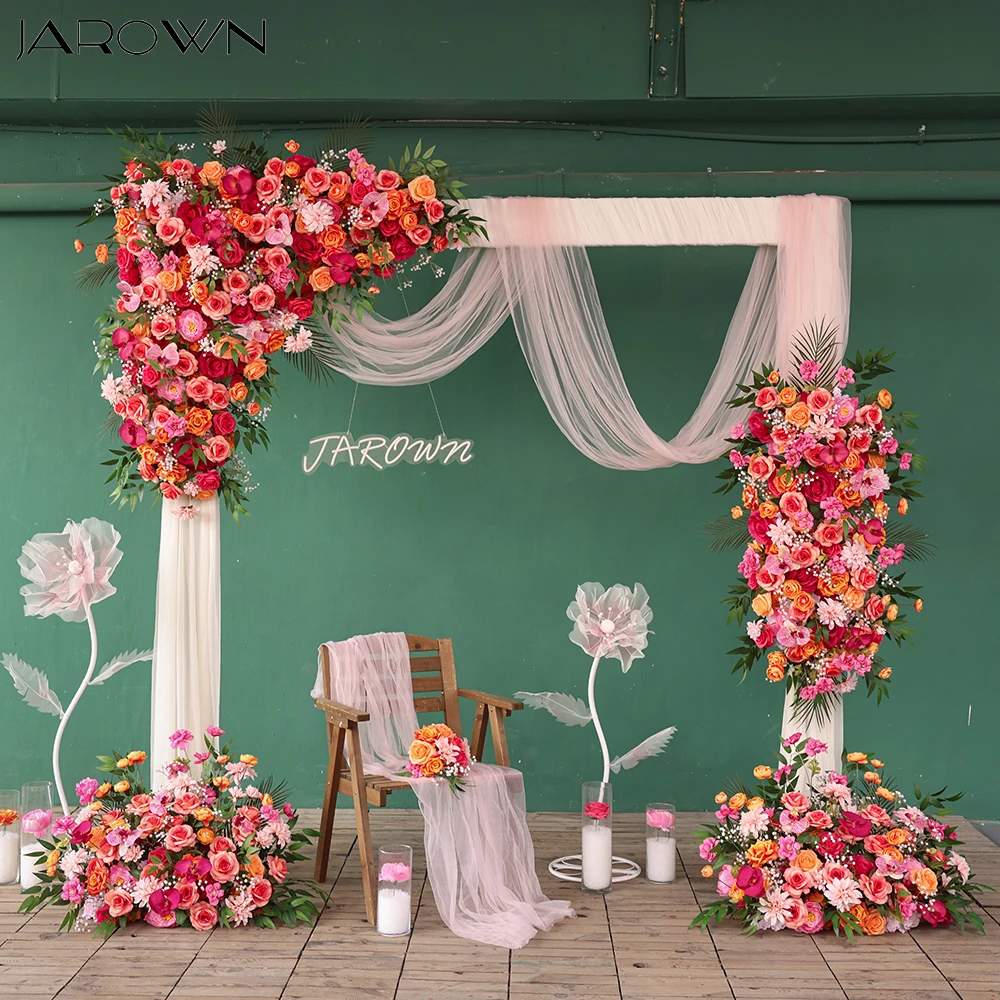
column 212, row 365
column 306, row 248
column 385, row 272
column 208, row 480
column 862, row 865
column 188, row 212
column 806, row 580
column 260, row 892
column 389, row 227
column 241, row 314
column 755, row 423
column 128, row 270
column 181, row 298
column 766, row 637
column 304, row 162
column 820, row 485
column 830, row 845
column 757, row 526
column 224, row 423
column 230, row 252
column 402, row 248
column 301, row 307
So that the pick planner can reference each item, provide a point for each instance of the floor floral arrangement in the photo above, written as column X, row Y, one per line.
column 221, row 266
column 848, row 854
column 201, row 851
column 818, row 460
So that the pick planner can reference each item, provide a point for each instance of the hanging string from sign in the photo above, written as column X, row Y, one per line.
column 430, row 388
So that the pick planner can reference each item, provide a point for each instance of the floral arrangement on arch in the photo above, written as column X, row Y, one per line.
column 222, row 267
column 437, row 751
column 817, row 460
column 202, row 851
column 848, row 853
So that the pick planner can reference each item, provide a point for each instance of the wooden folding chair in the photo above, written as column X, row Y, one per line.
column 435, row 689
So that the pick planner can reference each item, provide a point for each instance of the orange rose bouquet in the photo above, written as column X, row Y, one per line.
column 847, row 854
column 223, row 266
column 818, row 459
column 437, row 751
column 211, row 847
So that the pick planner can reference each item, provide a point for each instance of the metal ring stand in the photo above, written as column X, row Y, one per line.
column 622, row 869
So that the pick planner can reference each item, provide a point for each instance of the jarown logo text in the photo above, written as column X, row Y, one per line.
column 135, row 38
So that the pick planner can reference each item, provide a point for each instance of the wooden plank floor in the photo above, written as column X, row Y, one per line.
column 631, row 945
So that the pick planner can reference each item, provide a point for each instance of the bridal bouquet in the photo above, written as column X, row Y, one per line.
column 817, row 464
column 848, row 853
column 437, row 751
column 202, row 851
column 225, row 264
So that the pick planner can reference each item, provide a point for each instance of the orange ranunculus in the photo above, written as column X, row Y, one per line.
column 798, row 414
column 205, row 835
column 896, row 836
column 707, row 871
column 892, row 612
column 721, row 797
column 761, row 772
column 51, row 861
column 736, row 512
column 776, row 658
column 760, row 853
column 884, row 793
column 857, row 758
column 255, row 369
column 136, row 756
column 122, row 786
column 420, row 752
column 902, row 507
column 847, row 494
column 925, row 880
column 761, row 605
column 101, row 253
column 755, row 803
column 103, row 789
column 787, row 396
column 737, row 801
column 885, row 673
column 775, row 674
column 198, row 421
column 873, row 924
column 808, row 861
column 884, row 398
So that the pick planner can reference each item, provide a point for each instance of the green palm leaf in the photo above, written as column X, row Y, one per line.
column 91, row 276
column 817, row 341
column 350, row 133
column 918, row 548
column 725, row 533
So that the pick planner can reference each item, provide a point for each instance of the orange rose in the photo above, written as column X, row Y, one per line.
column 878, row 461
column 422, row 188
column 320, row 279
column 767, row 509
column 774, row 673
column 707, row 872
column 776, row 658
column 721, row 797
column 170, row 280
column 434, row 766
column 255, row 866
column 847, row 494
column 408, row 220
column 363, row 260
column 198, row 421
column 798, row 414
column 127, row 223
column 808, row 861
column 895, row 836
column 884, row 398
column 761, row 605
column 761, row 772
column 804, row 604
column 859, row 911
column 420, row 752
column 918, row 605
column 101, row 253
column 854, row 599
column 925, row 880
column 737, row 801
column 333, row 238
column 755, row 803
column 255, row 369
column 238, row 391
column 51, row 861
column 891, row 612
column 787, row 396
column 873, row 923
column 774, row 377
column 199, row 291
column 205, row 835
column 760, row 853
column 211, row 173
column 885, row 673
column 836, row 584
column 97, row 877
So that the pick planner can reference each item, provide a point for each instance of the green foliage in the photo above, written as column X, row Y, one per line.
column 216, row 122
column 816, row 342
column 354, row 132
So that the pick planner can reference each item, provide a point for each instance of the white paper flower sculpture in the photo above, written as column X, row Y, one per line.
column 68, row 572
column 610, row 624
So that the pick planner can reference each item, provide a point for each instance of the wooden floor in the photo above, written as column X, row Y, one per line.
column 634, row 943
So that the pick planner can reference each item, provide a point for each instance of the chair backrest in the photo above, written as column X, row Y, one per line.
column 435, row 686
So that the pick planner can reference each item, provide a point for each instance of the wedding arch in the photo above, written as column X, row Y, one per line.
column 535, row 269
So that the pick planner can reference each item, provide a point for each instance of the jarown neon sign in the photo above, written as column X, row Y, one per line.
column 136, row 35
column 380, row 452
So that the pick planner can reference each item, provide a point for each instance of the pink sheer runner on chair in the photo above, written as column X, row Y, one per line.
column 480, row 859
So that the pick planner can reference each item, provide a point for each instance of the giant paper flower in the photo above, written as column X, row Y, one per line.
column 611, row 623
column 69, row 571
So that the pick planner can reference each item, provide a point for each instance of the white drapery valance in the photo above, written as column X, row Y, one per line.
column 535, row 269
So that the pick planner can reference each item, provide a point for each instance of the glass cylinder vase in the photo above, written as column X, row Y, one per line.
column 596, row 837
column 395, row 881
column 36, row 823
column 661, row 846
column 10, row 835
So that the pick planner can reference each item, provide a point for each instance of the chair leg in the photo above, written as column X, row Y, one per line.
column 478, row 742
column 499, row 730
column 334, row 767
column 365, row 850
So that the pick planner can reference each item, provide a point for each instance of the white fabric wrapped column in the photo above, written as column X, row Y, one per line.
column 187, row 650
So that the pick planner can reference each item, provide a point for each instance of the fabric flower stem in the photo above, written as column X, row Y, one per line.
column 69, row 710
column 597, row 724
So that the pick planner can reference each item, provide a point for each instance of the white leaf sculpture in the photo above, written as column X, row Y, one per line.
column 649, row 747
column 120, row 662
column 567, row 709
column 33, row 685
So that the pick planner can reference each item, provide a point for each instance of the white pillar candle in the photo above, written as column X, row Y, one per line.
column 9, row 855
column 596, row 852
column 29, row 876
column 661, row 859
column 393, row 912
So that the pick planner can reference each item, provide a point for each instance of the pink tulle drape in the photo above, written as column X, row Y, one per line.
column 480, row 859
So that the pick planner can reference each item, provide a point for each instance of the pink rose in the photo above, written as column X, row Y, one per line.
column 803, row 555
column 225, row 866
column 797, row 915
column 767, row 398
column 420, row 235
column 118, row 902
column 217, row 449
column 218, row 398
column 152, row 292
column 876, row 887
column 260, row 892
column 186, row 802
column 792, row 502
column 186, row 365
column 434, row 210
column 387, row 180
column 257, row 229
column 170, row 230
column 829, row 534
column 819, row 401
column 761, row 467
column 261, row 297
column 597, row 810
column 268, row 187
column 208, row 481
column 870, row 415
column 876, row 814
column 139, row 806
column 137, row 408
column 203, row 915
column 277, row 868
column 819, row 819
column 217, row 305
column 179, row 837
column 150, row 824
column 221, row 844
column 188, row 895
column 859, row 441
column 162, row 325
column 795, row 802
column 797, row 881
column 873, row 609
column 315, row 180
column 274, row 259
column 199, row 388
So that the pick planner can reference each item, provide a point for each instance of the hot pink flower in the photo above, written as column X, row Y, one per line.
column 597, row 810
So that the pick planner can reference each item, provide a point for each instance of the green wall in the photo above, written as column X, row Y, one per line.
column 490, row 553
